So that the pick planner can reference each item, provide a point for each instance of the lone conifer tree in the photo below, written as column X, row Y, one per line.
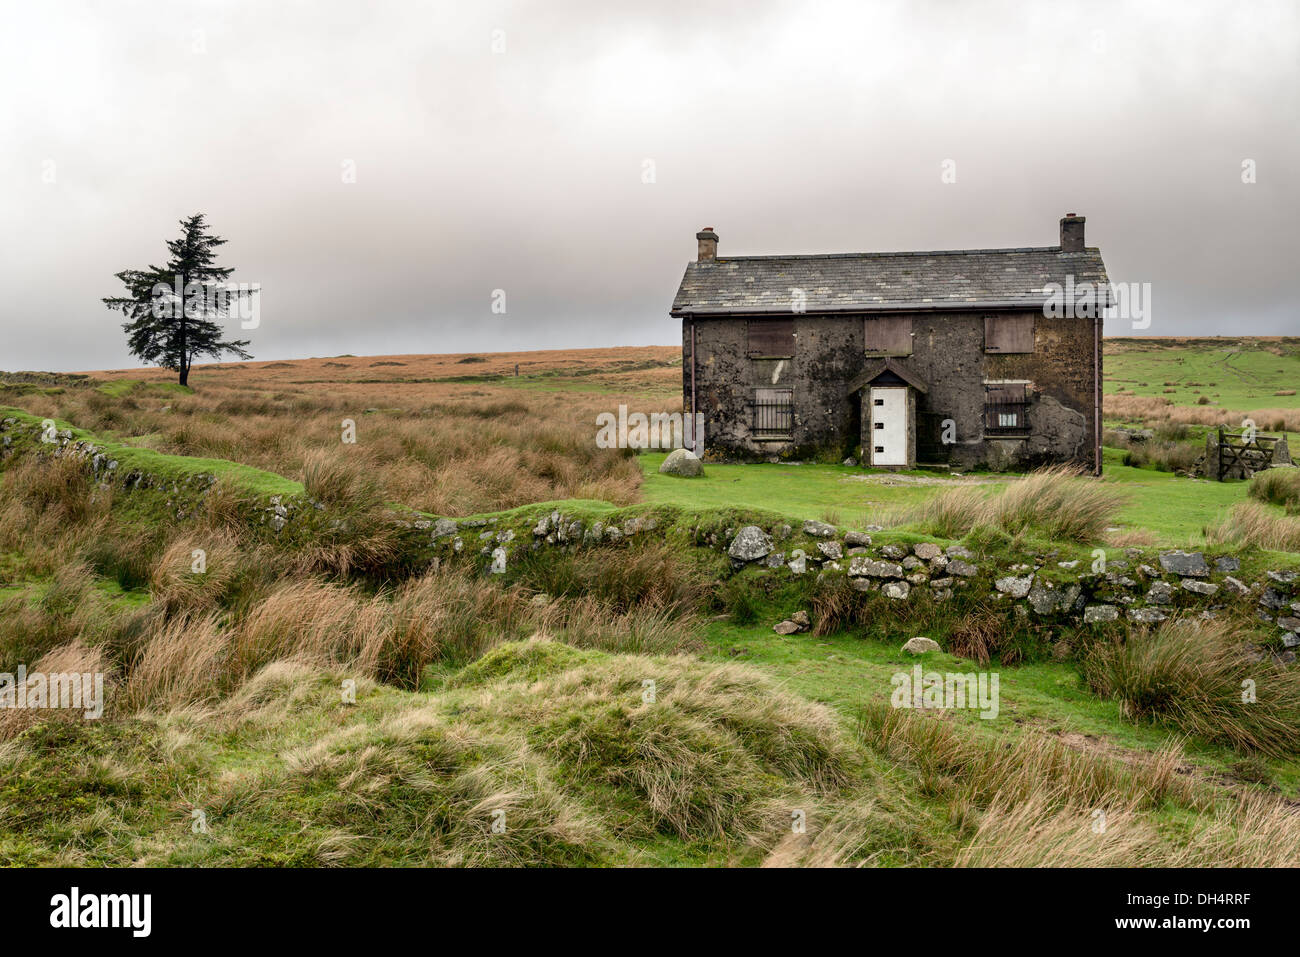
column 173, row 312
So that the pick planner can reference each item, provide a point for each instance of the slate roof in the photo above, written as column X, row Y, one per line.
column 862, row 282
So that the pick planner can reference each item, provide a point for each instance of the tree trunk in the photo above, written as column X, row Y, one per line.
column 185, row 345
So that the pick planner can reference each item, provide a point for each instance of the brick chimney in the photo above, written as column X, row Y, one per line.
column 1072, row 233
column 708, row 244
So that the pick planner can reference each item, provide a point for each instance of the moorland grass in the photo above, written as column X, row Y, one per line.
column 1199, row 678
column 1057, row 503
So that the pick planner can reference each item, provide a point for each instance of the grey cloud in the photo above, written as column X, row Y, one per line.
column 789, row 127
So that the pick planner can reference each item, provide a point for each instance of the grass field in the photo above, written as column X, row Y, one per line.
column 524, row 695
column 1175, row 510
column 1231, row 373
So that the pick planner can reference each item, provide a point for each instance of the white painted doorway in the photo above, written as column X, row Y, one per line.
column 888, row 425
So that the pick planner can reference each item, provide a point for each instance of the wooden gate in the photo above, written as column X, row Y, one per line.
column 1246, row 449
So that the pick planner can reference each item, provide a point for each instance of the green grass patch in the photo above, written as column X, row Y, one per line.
column 171, row 467
column 1176, row 510
column 117, row 388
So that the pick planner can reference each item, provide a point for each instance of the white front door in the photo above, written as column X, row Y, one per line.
column 889, row 425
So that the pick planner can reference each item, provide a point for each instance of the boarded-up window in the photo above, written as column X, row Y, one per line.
column 1004, row 334
column 773, row 412
column 771, row 337
column 888, row 336
column 1006, row 408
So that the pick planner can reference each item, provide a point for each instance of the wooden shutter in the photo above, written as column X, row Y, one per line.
column 771, row 337
column 888, row 335
column 1005, row 393
column 1003, row 334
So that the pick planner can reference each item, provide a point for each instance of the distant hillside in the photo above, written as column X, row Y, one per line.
column 1230, row 372
column 1236, row 373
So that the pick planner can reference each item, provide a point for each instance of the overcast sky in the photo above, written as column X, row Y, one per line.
column 508, row 146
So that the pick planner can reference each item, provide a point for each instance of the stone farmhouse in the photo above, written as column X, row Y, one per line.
column 968, row 358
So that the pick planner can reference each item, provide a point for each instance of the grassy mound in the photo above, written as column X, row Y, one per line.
column 536, row 754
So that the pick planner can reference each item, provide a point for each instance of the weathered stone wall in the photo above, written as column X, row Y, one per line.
column 1143, row 588
column 948, row 354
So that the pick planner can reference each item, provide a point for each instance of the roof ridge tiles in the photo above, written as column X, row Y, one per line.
column 906, row 252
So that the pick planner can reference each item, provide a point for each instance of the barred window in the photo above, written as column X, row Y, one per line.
column 773, row 412
column 1006, row 408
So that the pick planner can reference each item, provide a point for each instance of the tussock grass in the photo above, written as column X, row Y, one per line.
column 65, row 610
column 176, row 585
column 183, row 661
column 1163, row 456
column 448, row 618
column 415, row 788
column 1253, row 523
column 74, row 657
column 589, row 623
column 58, row 488
column 1253, row 831
column 1041, row 833
column 963, row 768
column 1190, row 674
column 644, row 573
column 1034, row 802
column 1279, row 486
column 341, row 481
column 555, row 742
column 50, row 509
column 1057, row 503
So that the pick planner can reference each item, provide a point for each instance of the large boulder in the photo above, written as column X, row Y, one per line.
column 750, row 544
column 919, row 645
column 683, row 463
